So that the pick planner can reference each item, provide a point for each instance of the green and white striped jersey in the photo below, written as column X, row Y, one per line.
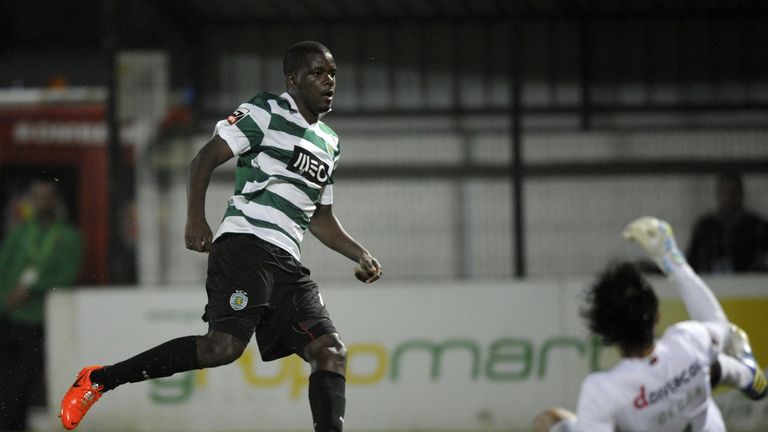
column 284, row 168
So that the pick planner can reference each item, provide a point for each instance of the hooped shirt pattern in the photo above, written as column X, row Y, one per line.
column 284, row 169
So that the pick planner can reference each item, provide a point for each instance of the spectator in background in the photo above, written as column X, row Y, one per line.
column 38, row 255
column 732, row 239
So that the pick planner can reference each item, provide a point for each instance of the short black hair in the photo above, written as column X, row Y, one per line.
column 297, row 54
column 621, row 307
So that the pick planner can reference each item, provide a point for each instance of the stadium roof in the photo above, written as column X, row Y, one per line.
column 300, row 10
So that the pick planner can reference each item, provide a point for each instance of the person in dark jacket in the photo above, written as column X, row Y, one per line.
column 732, row 239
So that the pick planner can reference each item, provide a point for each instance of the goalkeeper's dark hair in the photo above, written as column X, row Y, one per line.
column 622, row 308
column 296, row 56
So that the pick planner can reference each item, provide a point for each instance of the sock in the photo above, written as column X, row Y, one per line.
column 326, row 398
column 177, row 355
column 734, row 373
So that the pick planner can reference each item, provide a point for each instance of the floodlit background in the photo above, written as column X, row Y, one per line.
column 484, row 142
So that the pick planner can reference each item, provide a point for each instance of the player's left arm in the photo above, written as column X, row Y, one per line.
column 326, row 227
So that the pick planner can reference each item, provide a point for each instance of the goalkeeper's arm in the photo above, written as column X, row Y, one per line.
column 658, row 241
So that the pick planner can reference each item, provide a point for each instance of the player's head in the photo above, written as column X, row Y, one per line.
column 730, row 191
column 296, row 56
column 310, row 77
column 622, row 308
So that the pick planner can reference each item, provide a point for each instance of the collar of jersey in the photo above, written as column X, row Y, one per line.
column 295, row 108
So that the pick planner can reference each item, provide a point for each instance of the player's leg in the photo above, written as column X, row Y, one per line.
column 327, row 357
column 178, row 355
column 231, row 318
column 215, row 348
column 739, row 367
column 327, row 353
column 300, row 324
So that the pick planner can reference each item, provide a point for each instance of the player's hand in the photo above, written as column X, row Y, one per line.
column 369, row 269
column 550, row 417
column 198, row 236
column 658, row 240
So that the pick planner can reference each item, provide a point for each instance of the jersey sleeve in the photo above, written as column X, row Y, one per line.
column 699, row 300
column 326, row 195
column 243, row 129
column 705, row 337
column 336, row 158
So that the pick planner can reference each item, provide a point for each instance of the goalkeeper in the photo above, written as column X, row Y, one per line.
column 659, row 385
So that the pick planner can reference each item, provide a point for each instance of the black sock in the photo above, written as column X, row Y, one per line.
column 326, row 398
column 177, row 355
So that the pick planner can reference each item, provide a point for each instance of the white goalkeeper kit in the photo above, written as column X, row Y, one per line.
column 669, row 390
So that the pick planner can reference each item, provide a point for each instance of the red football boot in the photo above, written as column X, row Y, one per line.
column 79, row 398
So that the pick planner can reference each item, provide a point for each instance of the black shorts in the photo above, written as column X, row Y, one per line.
column 255, row 286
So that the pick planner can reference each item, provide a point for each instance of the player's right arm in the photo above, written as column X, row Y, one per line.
column 197, row 234
column 657, row 238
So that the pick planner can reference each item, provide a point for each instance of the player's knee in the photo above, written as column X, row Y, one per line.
column 218, row 349
column 333, row 357
column 230, row 352
column 328, row 353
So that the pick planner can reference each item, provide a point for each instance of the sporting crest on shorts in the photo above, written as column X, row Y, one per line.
column 238, row 300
